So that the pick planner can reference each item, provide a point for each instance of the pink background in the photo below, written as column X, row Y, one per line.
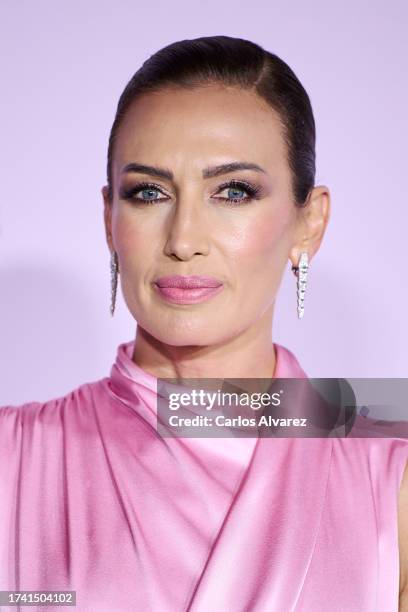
column 63, row 67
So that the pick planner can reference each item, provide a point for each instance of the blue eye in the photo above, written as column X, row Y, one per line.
column 148, row 189
column 239, row 186
column 234, row 189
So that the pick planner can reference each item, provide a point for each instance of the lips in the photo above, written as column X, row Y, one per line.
column 188, row 289
column 188, row 282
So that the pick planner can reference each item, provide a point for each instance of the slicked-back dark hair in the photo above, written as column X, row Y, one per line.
column 236, row 62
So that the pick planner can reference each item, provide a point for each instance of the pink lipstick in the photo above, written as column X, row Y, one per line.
column 187, row 289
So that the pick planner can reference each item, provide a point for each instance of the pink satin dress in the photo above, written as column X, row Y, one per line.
column 93, row 499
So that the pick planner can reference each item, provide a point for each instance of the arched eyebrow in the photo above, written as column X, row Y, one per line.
column 209, row 172
column 231, row 167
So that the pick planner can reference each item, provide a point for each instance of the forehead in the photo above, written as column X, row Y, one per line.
column 190, row 125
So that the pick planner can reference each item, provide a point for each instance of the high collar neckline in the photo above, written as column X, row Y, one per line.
column 125, row 371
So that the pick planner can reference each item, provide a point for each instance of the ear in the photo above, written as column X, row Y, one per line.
column 312, row 223
column 107, row 217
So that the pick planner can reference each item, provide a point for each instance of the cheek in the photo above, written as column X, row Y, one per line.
column 132, row 241
column 262, row 243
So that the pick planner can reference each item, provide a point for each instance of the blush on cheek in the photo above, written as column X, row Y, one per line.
column 130, row 238
column 266, row 239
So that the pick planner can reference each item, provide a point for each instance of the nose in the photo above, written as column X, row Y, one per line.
column 188, row 230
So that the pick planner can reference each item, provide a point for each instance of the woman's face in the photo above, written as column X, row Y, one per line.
column 184, row 225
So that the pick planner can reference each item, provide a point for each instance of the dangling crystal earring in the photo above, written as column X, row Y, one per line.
column 300, row 272
column 114, row 267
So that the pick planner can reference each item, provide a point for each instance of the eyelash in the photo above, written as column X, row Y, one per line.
column 252, row 190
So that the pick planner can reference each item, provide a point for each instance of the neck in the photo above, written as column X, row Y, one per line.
column 250, row 355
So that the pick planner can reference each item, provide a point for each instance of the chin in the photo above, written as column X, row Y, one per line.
column 184, row 333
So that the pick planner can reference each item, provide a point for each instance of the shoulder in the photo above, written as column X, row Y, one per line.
column 387, row 442
column 34, row 417
column 376, row 449
column 371, row 427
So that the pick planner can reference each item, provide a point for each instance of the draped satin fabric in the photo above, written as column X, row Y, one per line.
column 93, row 499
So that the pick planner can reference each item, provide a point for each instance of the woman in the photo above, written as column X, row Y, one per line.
column 210, row 192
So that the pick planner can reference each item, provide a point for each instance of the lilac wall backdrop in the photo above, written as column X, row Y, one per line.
column 64, row 66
